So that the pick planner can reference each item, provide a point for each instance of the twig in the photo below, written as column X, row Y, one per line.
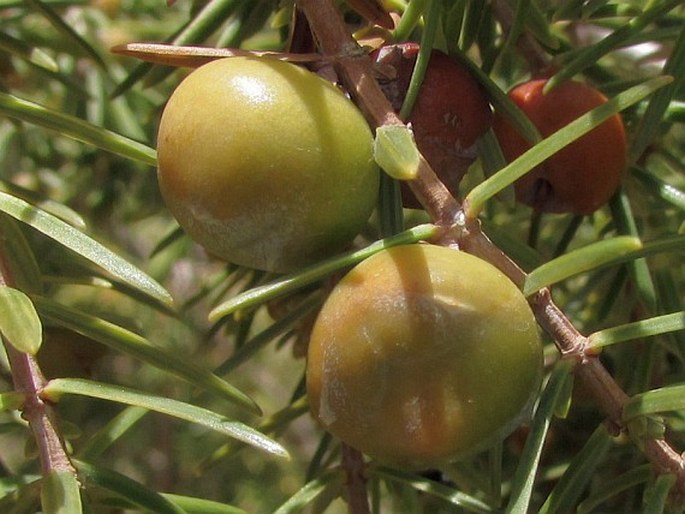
column 29, row 379
column 353, row 464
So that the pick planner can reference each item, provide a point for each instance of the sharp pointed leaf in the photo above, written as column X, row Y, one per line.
column 76, row 128
column 134, row 492
column 580, row 471
column 192, row 505
column 185, row 411
column 458, row 498
column 656, row 497
column 524, row 477
column 606, row 490
column 312, row 274
column 19, row 256
column 307, row 494
column 83, row 245
column 671, row 398
column 132, row 344
column 111, row 433
column 578, row 261
column 639, row 329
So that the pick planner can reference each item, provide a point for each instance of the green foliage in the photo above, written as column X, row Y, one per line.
column 59, row 493
column 146, row 323
column 395, row 151
column 21, row 325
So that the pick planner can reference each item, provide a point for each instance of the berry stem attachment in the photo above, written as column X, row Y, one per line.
column 355, row 470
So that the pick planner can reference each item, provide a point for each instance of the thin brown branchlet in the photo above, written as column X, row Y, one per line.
column 29, row 380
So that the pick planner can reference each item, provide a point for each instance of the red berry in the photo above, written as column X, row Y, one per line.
column 450, row 114
column 582, row 176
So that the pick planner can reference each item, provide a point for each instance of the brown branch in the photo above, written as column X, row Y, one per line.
column 608, row 395
column 355, row 70
column 353, row 464
column 29, row 380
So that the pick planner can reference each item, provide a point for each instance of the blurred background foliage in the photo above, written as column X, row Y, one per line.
column 56, row 53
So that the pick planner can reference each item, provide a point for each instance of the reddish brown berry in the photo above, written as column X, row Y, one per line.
column 450, row 114
column 582, row 176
